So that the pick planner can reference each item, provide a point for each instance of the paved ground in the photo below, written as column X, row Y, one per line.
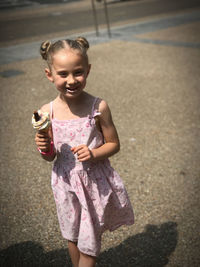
column 35, row 23
column 149, row 74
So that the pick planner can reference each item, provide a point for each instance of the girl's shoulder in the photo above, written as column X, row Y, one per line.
column 98, row 102
column 101, row 105
column 47, row 107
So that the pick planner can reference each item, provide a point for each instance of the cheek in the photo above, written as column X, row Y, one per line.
column 83, row 83
column 83, row 79
column 59, row 81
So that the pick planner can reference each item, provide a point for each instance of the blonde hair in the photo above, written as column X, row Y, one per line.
column 48, row 49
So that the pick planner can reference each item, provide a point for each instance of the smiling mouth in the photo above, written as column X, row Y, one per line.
column 72, row 90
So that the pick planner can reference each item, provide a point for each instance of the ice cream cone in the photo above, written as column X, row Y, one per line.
column 41, row 121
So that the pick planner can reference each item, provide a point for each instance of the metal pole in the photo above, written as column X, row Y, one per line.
column 95, row 17
column 107, row 18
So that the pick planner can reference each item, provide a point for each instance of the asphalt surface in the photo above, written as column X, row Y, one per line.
column 31, row 24
column 149, row 74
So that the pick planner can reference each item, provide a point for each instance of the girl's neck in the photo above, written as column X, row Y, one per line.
column 72, row 102
column 65, row 109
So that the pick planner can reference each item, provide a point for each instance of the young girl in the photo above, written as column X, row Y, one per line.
column 89, row 195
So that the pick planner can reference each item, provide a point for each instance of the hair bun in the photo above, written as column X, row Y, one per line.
column 83, row 42
column 44, row 48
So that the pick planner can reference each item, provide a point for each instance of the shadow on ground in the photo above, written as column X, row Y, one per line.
column 32, row 254
column 151, row 248
column 148, row 249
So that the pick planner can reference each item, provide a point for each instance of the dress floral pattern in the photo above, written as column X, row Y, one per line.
column 90, row 197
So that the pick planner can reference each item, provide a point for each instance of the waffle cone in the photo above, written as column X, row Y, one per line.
column 45, row 130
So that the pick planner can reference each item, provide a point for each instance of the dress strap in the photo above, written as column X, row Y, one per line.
column 51, row 110
column 93, row 106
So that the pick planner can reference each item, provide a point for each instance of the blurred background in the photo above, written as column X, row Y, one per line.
column 25, row 21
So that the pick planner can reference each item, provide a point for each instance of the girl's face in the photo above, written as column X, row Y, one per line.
column 68, row 72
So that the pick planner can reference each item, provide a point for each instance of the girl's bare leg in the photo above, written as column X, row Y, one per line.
column 74, row 253
column 86, row 260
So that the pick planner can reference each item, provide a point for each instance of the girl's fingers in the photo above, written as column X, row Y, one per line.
column 82, row 155
column 43, row 146
column 83, row 152
column 85, row 156
column 42, row 138
column 42, row 141
column 73, row 149
column 45, row 141
column 42, row 135
column 84, row 159
column 44, row 149
column 77, row 149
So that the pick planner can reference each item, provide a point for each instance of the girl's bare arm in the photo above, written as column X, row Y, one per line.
column 112, row 144
column 108, row 129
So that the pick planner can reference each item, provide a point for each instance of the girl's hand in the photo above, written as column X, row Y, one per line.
column 43, row 141
column 83, row 153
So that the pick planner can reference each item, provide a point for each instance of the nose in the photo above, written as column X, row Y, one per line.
column 71, row 79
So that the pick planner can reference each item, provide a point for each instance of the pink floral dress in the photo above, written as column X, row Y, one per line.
column 90, row 197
